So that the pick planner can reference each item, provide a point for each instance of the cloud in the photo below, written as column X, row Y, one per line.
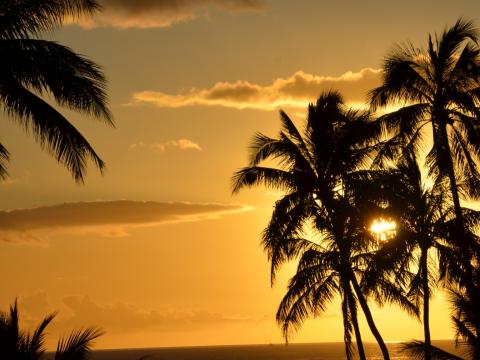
column 142, row 14
column 107, row 218
column 76, row 312
column 121, row 316
column 182, row 144
column 138, row 145
column 295, row 91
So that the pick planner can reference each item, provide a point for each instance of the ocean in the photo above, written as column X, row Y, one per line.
column 320, row 351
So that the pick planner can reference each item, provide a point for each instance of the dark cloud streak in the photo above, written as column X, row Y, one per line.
column 179, row 6
column 161, row 13
column 117, row 214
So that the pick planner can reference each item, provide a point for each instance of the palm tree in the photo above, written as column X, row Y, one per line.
column 320, row 277
column 438, row 88
column 331, row 267
column 465, row 319
column 19, row 345
column 422, row 215
column 425, row 221
column 313, row 170
column 31, row 67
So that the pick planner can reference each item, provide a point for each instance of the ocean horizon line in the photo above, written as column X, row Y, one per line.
column 259, row 344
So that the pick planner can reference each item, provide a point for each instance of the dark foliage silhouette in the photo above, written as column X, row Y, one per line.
column 314, row 168
column 424, row 217
column 465, row 318
column 441, row 87
column 31, row 67
column 16, row 344
column 439, row 91
column 416, row 349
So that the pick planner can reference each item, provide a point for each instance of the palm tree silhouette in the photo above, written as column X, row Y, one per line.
column 323, row 272
column 423, row 216
column 313, row 171
column 31, row 67
column 19, row 345
column 439, row 88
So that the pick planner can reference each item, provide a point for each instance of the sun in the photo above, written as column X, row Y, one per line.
column 383, row 229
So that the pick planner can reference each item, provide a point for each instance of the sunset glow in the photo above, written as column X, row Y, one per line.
column 384, row 229
column 155, row 249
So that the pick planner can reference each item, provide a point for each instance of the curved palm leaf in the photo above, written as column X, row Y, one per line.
column 53, row 131
column 4, row 158
column 31, row 67
column 25, row 18
column 416, row 349
column 40, row 65
column 77, row 345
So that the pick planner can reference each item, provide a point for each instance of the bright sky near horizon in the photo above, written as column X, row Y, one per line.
column 157, row 251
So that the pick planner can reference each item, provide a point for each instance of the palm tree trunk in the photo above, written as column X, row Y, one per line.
column 356, row 328
column 369, row 318
column 426, row 304
column 346, row 330
column 464, row 246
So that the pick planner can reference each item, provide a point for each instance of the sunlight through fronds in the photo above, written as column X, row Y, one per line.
column 384, row 229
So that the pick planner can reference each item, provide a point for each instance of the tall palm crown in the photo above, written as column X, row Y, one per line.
column 439, row 87
column 312, row 170
column 31, row 67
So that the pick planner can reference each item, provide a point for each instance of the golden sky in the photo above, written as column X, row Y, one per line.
column 157, row 251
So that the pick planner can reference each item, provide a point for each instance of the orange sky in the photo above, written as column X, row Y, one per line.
column 157, row 252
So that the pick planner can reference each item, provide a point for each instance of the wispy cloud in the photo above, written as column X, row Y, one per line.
column 182, row 144
column 107, row 218
column 80, row 311
column 122, row 316
column 294, row 91
column 125, row 14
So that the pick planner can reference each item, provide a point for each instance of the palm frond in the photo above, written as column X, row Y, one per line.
column 35, row 344
column 403, row 80
column 45, row 66
column 256, row 175
column 305, row 296
column 281, row 238
column 450, row 42
column 416, row 349
column 51, row 129
column 4, row 159
column 292, row 131
column 77, row 345
column 26, row 18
